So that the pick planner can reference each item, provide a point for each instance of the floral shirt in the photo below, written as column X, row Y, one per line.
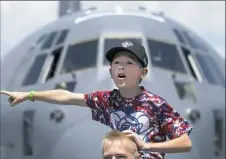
column 147, row 114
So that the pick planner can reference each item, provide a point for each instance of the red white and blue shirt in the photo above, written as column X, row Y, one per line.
column 147, row 114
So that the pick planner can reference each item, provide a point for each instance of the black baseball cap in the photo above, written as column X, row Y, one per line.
column 132, row 47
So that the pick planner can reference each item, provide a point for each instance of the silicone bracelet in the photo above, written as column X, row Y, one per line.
column 31, row 96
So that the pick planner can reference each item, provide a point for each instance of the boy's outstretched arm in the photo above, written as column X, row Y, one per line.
column 57, row 96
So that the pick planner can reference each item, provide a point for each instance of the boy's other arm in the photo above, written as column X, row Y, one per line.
column 180, row 144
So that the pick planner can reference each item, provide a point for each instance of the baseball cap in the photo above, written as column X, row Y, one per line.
column 132, row 47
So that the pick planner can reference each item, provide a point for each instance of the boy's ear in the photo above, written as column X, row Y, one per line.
column 144, row 73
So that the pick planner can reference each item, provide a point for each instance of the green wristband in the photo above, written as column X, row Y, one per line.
column 31, row 96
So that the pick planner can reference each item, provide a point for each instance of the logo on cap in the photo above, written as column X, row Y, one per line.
column 127, row 44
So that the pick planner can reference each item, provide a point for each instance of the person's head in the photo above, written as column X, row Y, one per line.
column 117, row 145
column 128, row 64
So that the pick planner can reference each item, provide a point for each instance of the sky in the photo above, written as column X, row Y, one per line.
column 21, row 18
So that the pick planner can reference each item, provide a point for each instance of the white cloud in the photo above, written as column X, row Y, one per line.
column 18, row 19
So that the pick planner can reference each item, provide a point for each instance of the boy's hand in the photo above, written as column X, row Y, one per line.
column 135, row 137
column 15, row 97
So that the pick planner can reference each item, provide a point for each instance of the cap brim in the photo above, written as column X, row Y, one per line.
column 111, row 53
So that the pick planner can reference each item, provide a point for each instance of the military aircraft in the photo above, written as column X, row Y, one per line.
column 69, row 54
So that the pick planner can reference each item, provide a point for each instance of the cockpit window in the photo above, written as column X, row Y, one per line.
column 196, row 44
column 35, row 71
column 111, row 42
column 49, row 40
column 80, row 56
column 40, row 39
column 210, row 70
column 62, row 36
column 179, row 36
column 165, row 56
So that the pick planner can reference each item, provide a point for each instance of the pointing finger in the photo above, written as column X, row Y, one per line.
column 5, row 92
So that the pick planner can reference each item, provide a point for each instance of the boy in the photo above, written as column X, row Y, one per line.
column 141, row 115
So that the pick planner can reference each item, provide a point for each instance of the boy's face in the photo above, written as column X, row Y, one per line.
column 126, row 70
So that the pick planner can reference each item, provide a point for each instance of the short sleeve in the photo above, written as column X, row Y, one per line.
column 171, row 122
column 99, row 104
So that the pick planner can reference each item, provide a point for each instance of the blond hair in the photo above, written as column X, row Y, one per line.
column 115, row 135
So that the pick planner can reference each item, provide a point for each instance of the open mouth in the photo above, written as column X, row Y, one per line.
column 121, row 76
